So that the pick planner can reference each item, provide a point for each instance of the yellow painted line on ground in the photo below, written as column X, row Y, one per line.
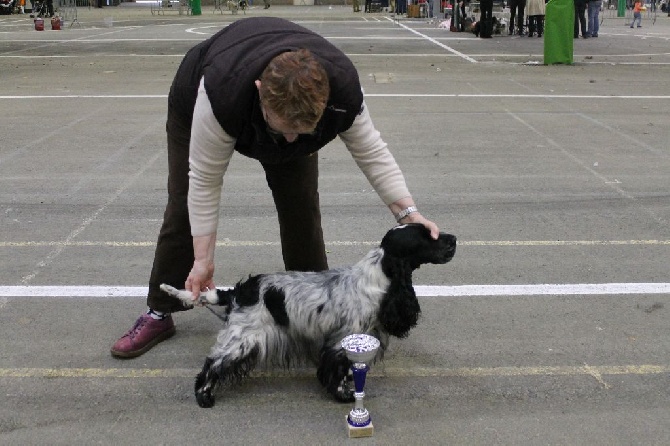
column 646, row 369
column 381, row 371
column 245, row 243
column 95, row 373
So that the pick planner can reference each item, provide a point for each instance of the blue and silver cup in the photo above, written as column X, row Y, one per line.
column 361, row 349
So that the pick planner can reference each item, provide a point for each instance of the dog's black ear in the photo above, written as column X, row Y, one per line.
column 399, row 309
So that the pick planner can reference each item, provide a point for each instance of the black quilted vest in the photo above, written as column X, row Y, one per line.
column 235, row 57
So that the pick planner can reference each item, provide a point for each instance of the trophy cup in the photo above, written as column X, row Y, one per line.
column 360, row 349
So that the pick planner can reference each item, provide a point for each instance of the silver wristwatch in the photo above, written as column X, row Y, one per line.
column 405, row 212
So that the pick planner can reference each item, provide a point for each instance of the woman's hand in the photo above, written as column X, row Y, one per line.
column 416, row 217
column 413, row 217
column 200, row 278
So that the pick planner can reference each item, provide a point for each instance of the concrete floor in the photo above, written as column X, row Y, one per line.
column 547, row 174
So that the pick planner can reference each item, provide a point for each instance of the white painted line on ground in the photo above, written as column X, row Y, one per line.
column 542, row 289
column 243, row 243
column 575, row 289
column 367, row 55
column 441, row 45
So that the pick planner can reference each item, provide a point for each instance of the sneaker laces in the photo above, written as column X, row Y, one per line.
column 139, row 323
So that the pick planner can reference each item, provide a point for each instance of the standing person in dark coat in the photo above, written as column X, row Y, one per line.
column 461, row 15
column 275, row 92
column 536, row 12
column 580, row 18
column 516, row 9
column 486, row 19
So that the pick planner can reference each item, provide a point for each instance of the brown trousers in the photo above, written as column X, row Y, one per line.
column 294, row 187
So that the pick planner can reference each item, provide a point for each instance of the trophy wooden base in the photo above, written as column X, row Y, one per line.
column 359, row 432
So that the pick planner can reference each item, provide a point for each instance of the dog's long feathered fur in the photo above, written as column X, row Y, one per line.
column 286, row 318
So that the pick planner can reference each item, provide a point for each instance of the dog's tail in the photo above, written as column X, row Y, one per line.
column 186, row 298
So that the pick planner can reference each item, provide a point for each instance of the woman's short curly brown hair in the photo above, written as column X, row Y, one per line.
column 295, row 87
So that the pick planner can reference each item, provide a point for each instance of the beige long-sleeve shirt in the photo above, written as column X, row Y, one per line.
column 211, row 149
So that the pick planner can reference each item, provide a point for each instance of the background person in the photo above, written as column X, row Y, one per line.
column 486, row 19
column 276, row 92
column 580, row 18
column 461, row 15
column 516, row 10
column 637, row 14
column 594, row 14
column 536, row 12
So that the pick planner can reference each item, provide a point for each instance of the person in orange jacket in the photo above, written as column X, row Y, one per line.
column 637, row 14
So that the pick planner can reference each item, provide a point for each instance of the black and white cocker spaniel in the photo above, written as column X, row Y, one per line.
column 285, row 318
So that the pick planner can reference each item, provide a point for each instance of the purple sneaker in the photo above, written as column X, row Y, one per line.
column 146, row 333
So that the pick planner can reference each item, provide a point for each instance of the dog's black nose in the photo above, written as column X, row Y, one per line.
column 447, row 247
column 448, row 238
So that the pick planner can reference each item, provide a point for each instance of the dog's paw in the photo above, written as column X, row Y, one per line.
column 203, row 387
column 204, row 398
